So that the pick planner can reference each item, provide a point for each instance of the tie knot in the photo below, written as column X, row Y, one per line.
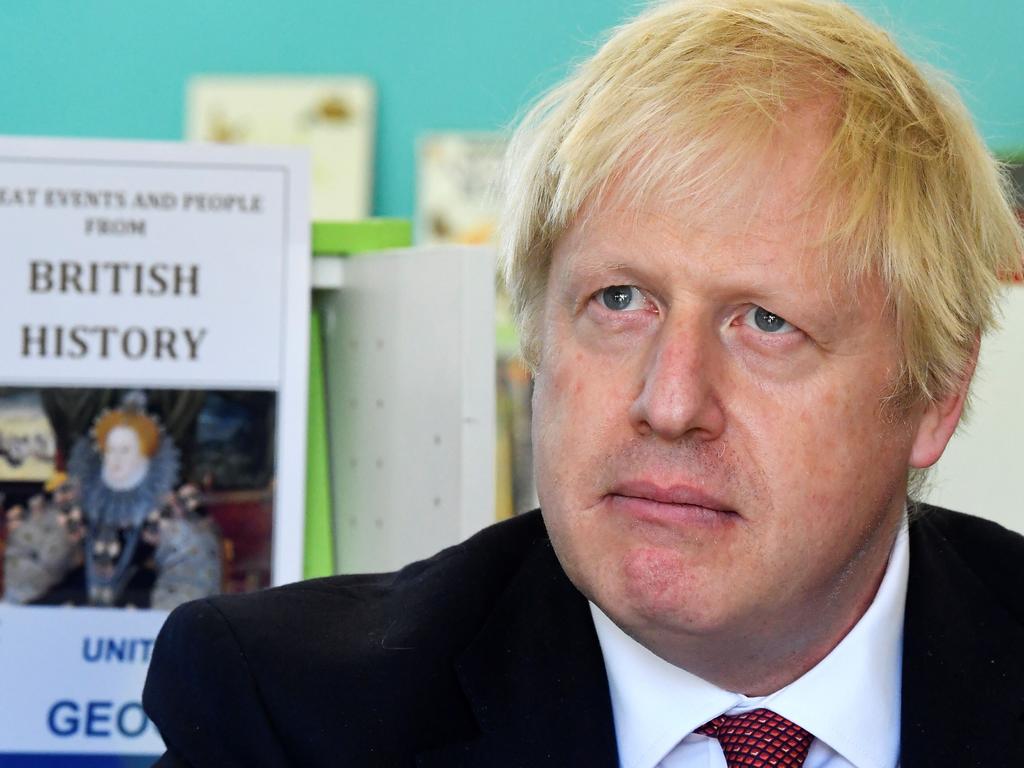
column 759, row 739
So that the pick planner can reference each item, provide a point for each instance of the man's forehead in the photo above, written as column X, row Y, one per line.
column 742, row 176
column 606, row 237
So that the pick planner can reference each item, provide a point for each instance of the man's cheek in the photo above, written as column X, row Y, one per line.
column 570, row 370
column 575, row 394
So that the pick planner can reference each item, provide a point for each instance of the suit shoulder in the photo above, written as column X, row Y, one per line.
column 434, row 605
column 993, row 553
column 322, row 660
column 472, row 571
column 202, row 696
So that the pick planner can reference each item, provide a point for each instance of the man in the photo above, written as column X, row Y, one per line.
column 752, row 252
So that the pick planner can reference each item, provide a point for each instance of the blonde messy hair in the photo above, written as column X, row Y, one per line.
column 680, row 96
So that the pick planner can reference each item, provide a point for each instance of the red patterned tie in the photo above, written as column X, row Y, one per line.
column 759, row 739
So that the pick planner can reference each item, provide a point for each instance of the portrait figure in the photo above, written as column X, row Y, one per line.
column 115, row 529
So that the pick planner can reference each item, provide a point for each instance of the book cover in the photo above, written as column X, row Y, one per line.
column 334, row 117
column 153, row 360
column 457, row 188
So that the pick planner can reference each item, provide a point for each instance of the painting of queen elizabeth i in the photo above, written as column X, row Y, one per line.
column 125, row 520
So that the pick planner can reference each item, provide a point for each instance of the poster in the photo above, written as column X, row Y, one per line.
column 153, row 359
column 335, row 117
column 457, row 188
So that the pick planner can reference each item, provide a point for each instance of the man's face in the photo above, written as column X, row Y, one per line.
column 712, row 454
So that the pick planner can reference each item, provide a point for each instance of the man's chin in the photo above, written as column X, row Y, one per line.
column 660, row 590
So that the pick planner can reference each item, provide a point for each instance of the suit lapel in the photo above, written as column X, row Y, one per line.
column 535, row 679
column 963, row 677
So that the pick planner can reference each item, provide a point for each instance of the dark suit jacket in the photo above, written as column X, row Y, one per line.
column 485, row 655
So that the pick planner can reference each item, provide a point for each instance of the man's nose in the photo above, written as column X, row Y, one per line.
column 680, row 395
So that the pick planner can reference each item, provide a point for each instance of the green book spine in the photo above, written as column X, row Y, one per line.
column 319, row 548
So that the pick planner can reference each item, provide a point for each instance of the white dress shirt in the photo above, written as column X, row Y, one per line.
column 849, row 702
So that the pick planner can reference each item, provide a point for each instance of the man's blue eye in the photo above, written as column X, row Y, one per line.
column 767, row 321
column 619, row 297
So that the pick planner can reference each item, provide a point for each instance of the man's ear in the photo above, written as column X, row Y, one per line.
column 938, row 423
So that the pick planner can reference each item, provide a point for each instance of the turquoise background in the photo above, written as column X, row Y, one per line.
column 118, row 68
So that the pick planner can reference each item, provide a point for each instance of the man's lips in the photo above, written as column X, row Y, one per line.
column 674, row 494
column 680, row 503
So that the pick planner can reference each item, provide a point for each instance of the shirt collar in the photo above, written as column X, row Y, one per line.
column 850, row 700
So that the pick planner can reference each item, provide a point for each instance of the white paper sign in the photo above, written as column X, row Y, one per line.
column 156, row 309
column 73, row 681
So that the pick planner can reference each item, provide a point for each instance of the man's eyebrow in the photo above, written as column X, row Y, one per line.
column 581, row 263
column 605, row 266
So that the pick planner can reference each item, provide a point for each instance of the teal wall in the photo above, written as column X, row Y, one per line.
column 117, row 68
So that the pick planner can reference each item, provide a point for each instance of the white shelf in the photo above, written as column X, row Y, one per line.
column 409, row 356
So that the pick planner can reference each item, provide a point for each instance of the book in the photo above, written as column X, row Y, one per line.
column 457, row 188
column 334, row 117
column 153, row 360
